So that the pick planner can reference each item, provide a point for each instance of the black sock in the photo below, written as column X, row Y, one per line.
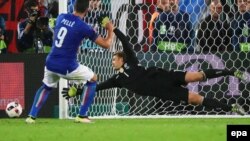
column 32, row 117
column 82, row 116
column 213, row 73
column 215, row 104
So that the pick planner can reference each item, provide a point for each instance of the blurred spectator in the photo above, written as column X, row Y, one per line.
column 248, row 4
column 53, row 13
column 43, row 7
column 161, row 4
column 241, row 26
column 2, row 23
column 173, row 29
column 229, row 9
column 70, row 6
column 96, row 9
column 34, row 34
column 43, row 35
column 94, row 4
column 195, row 8
column 3, row 46
column 213, row 34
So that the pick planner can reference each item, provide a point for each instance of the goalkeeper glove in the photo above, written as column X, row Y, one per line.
column 103, row 20
column 71, row 92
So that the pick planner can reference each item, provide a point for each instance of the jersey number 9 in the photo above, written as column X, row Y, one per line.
column 60, row 36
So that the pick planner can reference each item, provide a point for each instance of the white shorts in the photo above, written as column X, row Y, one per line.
column 82, row 73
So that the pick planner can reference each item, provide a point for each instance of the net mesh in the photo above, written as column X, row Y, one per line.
column 183, row 41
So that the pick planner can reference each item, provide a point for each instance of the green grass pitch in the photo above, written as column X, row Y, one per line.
column 186, row 129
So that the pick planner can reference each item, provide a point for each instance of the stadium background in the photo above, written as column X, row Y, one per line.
column 33, row 64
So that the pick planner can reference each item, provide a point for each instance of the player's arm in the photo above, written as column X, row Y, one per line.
column 73, row 91
column 110, row 83
column 127, row 47
column 23, row 37
column 106, row 42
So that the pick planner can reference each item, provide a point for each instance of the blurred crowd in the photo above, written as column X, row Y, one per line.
column 202, row 25
column 35, row 28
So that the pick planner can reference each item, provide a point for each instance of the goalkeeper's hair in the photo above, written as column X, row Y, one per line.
column 81, row 5
column 121, row 54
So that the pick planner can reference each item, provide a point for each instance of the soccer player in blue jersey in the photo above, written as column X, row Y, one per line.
column 70, row 30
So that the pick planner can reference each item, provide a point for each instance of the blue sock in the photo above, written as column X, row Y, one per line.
column 87, row 98
column 40, row 98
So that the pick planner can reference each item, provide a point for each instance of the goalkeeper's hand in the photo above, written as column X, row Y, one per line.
column 103, row 20
column 71, row 92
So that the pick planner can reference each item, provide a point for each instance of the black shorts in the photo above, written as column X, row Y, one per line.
column 170, row 85
column 176, row 94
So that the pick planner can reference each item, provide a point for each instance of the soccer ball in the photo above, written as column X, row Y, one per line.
column 14, row 109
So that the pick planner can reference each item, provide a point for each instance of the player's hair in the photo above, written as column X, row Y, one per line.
column 81, row 5
column 120, row 54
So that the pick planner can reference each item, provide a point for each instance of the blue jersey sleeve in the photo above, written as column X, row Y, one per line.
column 89, row 32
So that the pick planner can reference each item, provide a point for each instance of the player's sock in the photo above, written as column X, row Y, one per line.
column 213, row 73
column 215, row 104
column 87, row 98
column 40, row 98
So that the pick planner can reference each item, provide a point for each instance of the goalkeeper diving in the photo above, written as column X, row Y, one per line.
column 160, row 83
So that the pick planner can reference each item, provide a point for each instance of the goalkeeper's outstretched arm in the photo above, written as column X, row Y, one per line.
column 127, row 47
column 72, row 91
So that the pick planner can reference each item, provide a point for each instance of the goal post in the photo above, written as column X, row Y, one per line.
column 132, row 17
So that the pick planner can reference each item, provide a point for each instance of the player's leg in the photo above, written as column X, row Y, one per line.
column 178, row 93
column 40, row 98
column 50, row 80
column 214, row 73
column 88, row 94
column 196, row 99
column 194, row 76
column 183, row 94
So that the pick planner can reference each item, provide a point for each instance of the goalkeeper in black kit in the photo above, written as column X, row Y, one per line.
column 157, row 82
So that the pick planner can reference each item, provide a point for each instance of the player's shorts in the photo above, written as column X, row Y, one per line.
column 171, row 85
column 178, row 94
column 82, row 73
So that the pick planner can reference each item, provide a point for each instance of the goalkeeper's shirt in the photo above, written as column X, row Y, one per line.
column 70, row 30
column 152, row 81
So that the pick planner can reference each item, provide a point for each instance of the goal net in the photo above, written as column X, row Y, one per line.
column 184, row 42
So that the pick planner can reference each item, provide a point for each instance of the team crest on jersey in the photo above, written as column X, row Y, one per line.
column 126, row 66
column 121, row 70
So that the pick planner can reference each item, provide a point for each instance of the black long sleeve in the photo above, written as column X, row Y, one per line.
column 132, row 78
column 110, row 83
column 127, row 47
